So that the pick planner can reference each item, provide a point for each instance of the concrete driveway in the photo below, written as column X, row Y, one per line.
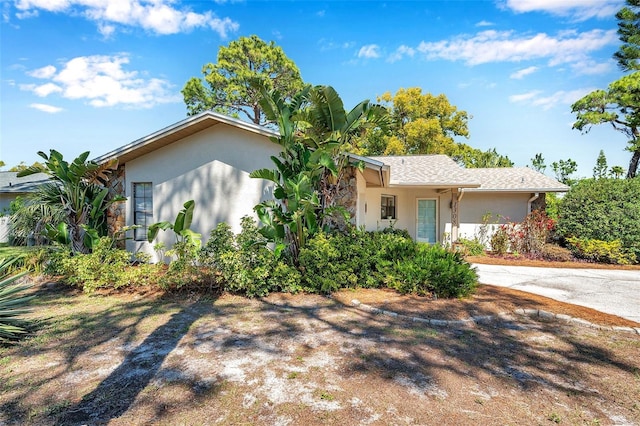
column 612, row 291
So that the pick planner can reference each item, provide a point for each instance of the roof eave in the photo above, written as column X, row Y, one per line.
column 130, row 148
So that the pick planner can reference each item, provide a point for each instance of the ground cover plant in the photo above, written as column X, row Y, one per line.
column 307, row 359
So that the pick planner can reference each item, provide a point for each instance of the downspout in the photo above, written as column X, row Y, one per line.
column 531, row 200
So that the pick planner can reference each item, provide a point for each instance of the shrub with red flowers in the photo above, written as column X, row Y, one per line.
column 527, row 237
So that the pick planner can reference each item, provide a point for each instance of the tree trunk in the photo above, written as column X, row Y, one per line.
column 633, row 164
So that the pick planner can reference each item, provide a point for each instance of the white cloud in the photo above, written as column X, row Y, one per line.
column 158, row 16
column 577, row 9
column 44, row 72
column 590, row 67
column 505, row 46
column 561, row 97
column 401, row 52
column 45, row 90
column 369, row 51
column 484, row 24
column 102, row 81
column 524, row 96
column 46, row 108
column 518, row 75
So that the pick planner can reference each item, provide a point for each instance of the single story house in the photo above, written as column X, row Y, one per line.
column 11, row 187
column 208, row 158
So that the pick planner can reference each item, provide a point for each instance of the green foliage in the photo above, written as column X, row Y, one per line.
column 314, row 130
column 619, row 106
column 13, row 305
column 629, row 31
column 423, row 123
column 600, row 169
column 435, row 270
column 563, row 170
column 500, row 240
column 600, row 251
column 471, row 158
column 187, row 241
column 471, row 247
column 603, row 209
column 537, row 163
column 230, row 85
column 375, row 259
column 78, row 194
column 105, row 267
column 245, row 262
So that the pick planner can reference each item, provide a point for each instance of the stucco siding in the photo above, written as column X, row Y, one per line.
column 211, row 167
column 406, row 209
column 512, row 206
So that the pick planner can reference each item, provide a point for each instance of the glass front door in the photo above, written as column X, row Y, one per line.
column 426, row 225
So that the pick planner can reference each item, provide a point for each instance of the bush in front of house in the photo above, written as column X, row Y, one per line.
column 605, row 210
column 332, row 261
column 600, row 251
column 246, row 264
column 105, row 267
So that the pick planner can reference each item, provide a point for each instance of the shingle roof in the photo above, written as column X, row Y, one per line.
column 10, row 182
column 442, row 171
column 428, row 170
column 515, row 179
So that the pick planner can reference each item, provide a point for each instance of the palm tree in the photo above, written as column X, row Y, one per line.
column 78, row 193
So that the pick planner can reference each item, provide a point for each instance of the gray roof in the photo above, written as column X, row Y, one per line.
column 11, row 183
column 441, row 171
column 428, row 170
column 515, row 179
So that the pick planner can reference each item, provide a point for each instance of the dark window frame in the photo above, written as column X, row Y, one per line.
column 142, row 191
column 388, row 207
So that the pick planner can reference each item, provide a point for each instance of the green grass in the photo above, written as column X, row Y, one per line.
column 9, row 251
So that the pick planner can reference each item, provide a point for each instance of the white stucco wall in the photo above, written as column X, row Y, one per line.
column 406, row 208
column 211, row 167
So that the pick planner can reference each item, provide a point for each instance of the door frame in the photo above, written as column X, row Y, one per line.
column 437, row 219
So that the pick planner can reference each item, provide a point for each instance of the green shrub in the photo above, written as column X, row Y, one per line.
column 600, row 251
column 555, row 253
column 245, row 262
column 500, row 241
column 105, row 267
column 471, row 247
column 436, row 270
column 603, row 209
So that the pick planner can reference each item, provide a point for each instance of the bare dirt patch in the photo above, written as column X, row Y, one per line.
column 307, row 359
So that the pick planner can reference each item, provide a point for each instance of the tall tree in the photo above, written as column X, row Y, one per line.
column 422, row 123
column 78, row 190
column 564, row 169
column 232, row 84
column 618, row 106
column 475, row 158
column 537, row 163
column 601, row 168
column 629, row 31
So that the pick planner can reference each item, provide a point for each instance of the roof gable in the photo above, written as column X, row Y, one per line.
column 180, row 130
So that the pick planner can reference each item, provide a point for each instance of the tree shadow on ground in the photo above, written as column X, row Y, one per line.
column 116, row 393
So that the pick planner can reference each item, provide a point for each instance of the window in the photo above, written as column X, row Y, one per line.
column 142, row 209
column 388, row 209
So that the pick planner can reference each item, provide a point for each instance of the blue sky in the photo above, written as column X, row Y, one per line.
column 80, row 75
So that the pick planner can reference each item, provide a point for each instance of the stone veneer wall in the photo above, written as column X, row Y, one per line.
column 116, row 212
column 540, row 203
column 348, row 196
